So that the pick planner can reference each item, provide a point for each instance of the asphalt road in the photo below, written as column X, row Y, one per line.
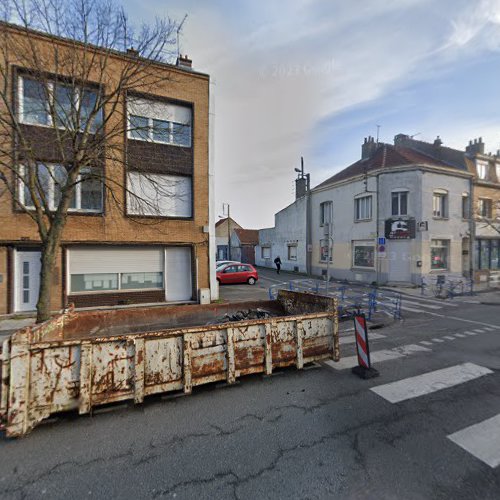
column 317, row 433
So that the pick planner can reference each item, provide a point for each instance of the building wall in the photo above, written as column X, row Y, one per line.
column 402, row 258
column 289, row 229
column 114, row 226
column 343, row 229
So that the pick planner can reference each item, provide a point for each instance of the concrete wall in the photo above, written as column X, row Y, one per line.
column 343, row 229
column 289, row 229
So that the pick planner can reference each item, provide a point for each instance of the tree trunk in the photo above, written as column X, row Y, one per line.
column 48, row 260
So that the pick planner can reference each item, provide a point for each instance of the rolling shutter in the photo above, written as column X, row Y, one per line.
column 115, row 260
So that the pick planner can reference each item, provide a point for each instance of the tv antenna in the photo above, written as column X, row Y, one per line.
column 178, row 32
column 378, row 131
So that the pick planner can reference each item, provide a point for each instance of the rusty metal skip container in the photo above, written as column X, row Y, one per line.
column 80, row 360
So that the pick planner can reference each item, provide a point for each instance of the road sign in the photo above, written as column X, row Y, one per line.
column 381, row 241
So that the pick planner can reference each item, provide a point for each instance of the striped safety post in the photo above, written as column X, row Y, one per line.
column 364, row 368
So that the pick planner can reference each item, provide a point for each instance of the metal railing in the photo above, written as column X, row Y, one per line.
column 352, row 299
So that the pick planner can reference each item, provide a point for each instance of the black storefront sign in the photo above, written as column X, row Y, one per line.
column 400, row 229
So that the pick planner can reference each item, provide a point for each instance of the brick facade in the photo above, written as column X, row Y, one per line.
column 113, row 226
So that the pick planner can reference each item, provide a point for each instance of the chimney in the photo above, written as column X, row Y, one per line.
column 133, row 52
column 476, row 147
column 438, row 142
column 402, row 140
column 368, row 147
column 300, row 187
column 184, row 62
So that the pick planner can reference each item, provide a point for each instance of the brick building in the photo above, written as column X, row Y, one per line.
column 124, row 244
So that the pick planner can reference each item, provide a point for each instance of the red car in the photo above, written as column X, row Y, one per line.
column 237, row 273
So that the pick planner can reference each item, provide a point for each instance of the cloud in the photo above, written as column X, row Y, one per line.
column 286, row 71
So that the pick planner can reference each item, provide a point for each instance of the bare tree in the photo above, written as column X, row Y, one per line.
column 75, row 82
column 485, row 216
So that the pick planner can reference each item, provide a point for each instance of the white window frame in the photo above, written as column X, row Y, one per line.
column 481, row 203
column 466, row 206
column 150, row 137
column 263, row 251
column 434, row 244
column 362, row 243
column 290, row 256
column 482, row 170
column 440, row 196
column 363, row 208
column 149, row 212
column 51, row 193
column 399, row 193
column 325, row 213
column 50, row 87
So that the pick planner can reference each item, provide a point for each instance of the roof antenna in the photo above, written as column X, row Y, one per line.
column 378, row 130
column 178, row 31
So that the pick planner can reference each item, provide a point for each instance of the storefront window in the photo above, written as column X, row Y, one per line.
column 488, row 254
column 440, row 250
column 363, row 254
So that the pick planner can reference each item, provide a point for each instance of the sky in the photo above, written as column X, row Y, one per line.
column 312, row 78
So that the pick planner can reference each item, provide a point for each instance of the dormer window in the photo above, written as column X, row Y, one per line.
column 482, row 170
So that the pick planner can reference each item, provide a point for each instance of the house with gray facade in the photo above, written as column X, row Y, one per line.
column 397, row 214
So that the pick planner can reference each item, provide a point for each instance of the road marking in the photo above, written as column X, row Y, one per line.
column 489, row 329
column 470, row 333
column 419, row 298
column 420, row 304
column 479, row 331
column 425, row 342
column 460, row 335
column 428, row 383
column 462, row 319
column 378, row 356
column 437, row 340
column 449, row 337
column 352, row 339
column 481, row 440
column 411, row 309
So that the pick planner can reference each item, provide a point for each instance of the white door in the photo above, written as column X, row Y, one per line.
column 400, row 261
column 27, row 280
column 178, row 273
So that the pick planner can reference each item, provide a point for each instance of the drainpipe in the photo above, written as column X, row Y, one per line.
column 377, row 267
column 308, row 226
column 472, row 231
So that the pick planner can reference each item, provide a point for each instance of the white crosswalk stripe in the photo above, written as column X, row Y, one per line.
column 378, row 356
column 481, row 440
column 430, row 382
column 437, row 340
column 425, row 342
column 421, row 304
column 449, row 337
column 460, row 335
column 470, row 333
column 345, row 340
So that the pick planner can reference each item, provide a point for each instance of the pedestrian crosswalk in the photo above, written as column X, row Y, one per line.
column 427, row 383
column 480, row 438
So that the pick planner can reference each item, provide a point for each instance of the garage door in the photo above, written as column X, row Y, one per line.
column 179, row 274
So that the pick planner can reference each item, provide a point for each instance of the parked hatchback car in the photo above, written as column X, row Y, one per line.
column 237, row 273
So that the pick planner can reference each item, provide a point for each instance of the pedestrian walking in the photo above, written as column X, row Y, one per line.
column 277, row 261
